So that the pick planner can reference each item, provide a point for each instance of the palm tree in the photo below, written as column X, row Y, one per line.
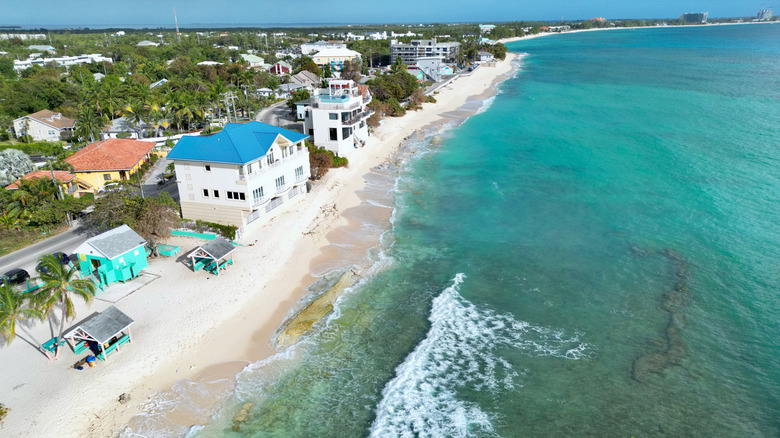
column 58, row 285
column 10, row 220
column 15, row 308
column 89, row 124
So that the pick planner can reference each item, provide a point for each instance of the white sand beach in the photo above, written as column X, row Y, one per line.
column 194, row 323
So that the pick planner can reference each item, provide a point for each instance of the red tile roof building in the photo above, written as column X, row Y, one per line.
column 109, row 160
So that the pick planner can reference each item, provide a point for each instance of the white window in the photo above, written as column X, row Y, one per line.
column 270, row 157
column 257, row 194
column 299, row 172
column 280, row 182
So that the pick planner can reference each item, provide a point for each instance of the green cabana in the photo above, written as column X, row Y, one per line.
column 212, row 256
column 116, row 255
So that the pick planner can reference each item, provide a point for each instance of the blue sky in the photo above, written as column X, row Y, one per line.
column 160, row 12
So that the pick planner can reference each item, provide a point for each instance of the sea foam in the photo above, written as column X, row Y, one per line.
column 460, row 351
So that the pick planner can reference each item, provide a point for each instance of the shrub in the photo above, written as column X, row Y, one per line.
column 321, row 160
column 123, row 135
column 3, row 412
column 226, row 231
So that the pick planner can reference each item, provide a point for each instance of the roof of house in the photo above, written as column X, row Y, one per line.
column 41, row 47
column 337, row 53
column 50, row 118
column 235, row 144
column 102, row 326
column 218, row 247
column 252, row 59
column 284, row 64
column 111, row 154
column 305, row 76
column 112, row 244
column 290, row 86
column 62, row 176
column 484, row 53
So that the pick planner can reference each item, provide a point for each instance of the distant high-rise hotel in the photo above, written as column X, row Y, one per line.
column 694, row 17
column 764, row 15
column 411, row 52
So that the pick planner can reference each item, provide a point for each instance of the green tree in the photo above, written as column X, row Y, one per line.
column 59, row 285
column 15, row 308
column 297, row 96
column 151, row 217
column 7, row 68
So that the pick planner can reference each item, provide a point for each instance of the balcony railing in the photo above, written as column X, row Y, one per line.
column 299, row 155
column 301, row 178
column 282, row 188
column 260, row 201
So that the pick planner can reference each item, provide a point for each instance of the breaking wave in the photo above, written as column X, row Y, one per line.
column 460, row 352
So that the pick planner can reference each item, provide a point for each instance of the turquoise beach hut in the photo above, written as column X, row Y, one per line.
column 116, row 255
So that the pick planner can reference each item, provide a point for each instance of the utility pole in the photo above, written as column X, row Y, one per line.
column 59, row 188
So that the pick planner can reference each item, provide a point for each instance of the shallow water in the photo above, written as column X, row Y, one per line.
column 596, row 254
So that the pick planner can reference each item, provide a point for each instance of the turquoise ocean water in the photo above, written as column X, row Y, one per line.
column 595, row 254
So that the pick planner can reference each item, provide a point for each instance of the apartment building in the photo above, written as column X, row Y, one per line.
column 416, row 49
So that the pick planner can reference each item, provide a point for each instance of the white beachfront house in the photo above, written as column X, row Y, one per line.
column 336, row 117
column 240, row 174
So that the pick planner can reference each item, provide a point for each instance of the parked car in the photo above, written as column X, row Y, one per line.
column 61, row 256
column 14, row 277
column 110, row 187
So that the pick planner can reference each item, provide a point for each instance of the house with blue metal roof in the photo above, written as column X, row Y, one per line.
column 240, row 174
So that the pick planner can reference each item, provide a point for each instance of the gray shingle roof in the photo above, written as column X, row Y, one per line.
column 112, row 243
column 218, row 248
column 105, row 325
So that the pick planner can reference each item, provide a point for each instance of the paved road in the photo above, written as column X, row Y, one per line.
column 27, row 258
column 278, row 114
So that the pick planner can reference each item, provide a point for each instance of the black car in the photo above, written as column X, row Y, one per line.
column 14, row 277
column 61, row 256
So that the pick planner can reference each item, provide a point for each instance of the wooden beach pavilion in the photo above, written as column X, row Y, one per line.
column 108, row 329
column 212, row 256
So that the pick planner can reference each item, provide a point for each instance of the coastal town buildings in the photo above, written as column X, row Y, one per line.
column 485, row 56
column 336, row 116
column 280, row 68
column 764, row 15
column 109, row 160
column 63, row 61
column 23, row 36
column 310, row 48
column 432, row 67
column 694, row 17
column 335, row 58
column 69, row 183
column 307, row 79
column 45, row 125
column 241, row 174
column 410, row 52
column 254, row 61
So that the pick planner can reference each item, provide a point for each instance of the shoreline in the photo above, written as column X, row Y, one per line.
column 331, row 236
column 193, row 326
column 540, row 34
